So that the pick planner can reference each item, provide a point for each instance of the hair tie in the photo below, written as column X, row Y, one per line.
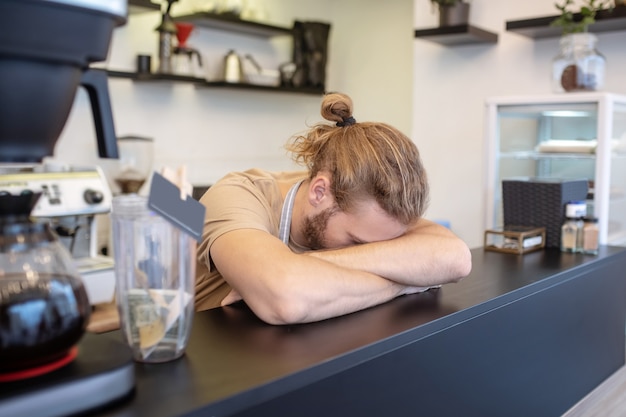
column 347, row 121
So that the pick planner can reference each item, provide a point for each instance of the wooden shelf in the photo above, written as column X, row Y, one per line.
column 457, row 35
column 224, row 22
column 244, row 86
column 202, row 83
column 232, row 23
column 142, row 6
column 539, row 28
column 135, row 76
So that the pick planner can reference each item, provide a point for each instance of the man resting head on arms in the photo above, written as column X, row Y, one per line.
column 345, row 235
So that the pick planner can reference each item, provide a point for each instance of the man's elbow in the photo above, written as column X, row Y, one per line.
column 462, row 263
column 281, row 309
column 281, row 313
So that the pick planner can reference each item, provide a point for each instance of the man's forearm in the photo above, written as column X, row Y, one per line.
column 428, row 255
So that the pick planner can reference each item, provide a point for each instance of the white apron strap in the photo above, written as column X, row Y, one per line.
column 285, row 215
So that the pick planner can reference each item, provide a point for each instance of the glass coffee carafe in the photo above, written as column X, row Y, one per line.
column 44, row 308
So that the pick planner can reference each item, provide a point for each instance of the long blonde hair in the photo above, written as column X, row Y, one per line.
column 365, row 160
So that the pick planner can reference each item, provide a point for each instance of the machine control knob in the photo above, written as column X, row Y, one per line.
column 93, row 196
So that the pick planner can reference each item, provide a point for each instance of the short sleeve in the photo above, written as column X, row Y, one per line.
column 233, row 203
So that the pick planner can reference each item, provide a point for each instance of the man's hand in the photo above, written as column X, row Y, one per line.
column 232, row 297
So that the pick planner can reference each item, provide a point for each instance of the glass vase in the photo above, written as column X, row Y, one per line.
column 579, row 66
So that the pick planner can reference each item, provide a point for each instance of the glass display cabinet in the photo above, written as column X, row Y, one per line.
column 563, row 136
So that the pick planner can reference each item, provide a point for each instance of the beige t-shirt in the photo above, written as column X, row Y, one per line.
column 241, row 200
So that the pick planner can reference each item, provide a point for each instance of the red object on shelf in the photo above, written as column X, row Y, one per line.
column 183, row 30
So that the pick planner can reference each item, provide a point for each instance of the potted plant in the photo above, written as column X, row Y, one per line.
column 579, row 66
column 571, row 21
column 452, row 12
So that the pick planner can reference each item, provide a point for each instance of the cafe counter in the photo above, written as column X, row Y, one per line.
column 521, row 336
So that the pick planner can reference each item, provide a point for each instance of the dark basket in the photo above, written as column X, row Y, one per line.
column 540, row 202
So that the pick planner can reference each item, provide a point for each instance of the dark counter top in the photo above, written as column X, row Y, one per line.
column 476, row 336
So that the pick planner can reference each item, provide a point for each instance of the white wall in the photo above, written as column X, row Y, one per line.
column 214, row 131
column 431, row 92
column 450, row 88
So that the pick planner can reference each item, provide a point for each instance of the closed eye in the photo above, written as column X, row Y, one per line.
column 355, row 240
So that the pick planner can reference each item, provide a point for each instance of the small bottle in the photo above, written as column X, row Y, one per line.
column 590, row 236
column 572, row 229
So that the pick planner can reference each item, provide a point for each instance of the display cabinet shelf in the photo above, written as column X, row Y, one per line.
column 457, row 35
column 545, row 155
column 538, row 28
column 231, row 23
column 202, row 83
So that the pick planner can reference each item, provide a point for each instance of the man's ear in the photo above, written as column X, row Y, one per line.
column 319, row 190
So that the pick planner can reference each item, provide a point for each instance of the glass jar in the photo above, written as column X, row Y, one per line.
column 572, row 235
column 579, row 66
column 590, row 236
column 572, row 229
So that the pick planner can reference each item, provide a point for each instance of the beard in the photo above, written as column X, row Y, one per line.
column 314, row 228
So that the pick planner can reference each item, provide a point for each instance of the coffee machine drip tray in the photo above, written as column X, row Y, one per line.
column 102, row 373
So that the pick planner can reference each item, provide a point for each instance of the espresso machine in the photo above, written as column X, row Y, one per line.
column 71, row 198
column 48, row 365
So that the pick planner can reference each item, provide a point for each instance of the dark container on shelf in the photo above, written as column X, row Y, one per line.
column 540, row 202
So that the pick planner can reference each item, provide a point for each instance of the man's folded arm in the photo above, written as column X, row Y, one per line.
column 427, row 255
column 284, row 287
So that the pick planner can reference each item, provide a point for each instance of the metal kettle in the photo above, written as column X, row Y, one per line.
column 233, row 68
